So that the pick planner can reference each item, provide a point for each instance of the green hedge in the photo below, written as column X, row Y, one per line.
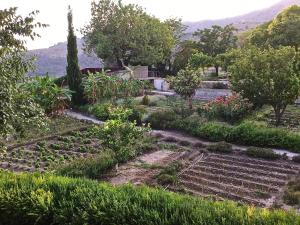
column 27, row 199
column 246, row 133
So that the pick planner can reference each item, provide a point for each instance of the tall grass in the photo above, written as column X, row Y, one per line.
column 27, row 199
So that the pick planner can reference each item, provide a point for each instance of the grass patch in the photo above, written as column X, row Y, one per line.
column 262, row 153
column 221, row 147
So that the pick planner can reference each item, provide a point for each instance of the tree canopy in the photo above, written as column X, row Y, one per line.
column 216, row 40
column 125, row 34
column 74, row 76
column 267, row 77
column 283, row 30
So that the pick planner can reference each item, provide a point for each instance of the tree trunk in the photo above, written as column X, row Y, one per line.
column 217, row 70
column 131, row 74
column 278, row 114
column 190, row 101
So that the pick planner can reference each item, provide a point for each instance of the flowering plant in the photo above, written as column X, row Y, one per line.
column 227, row 108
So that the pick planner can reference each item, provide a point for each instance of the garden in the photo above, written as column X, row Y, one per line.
column 136, row 156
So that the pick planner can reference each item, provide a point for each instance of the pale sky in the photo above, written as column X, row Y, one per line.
column 54, row 13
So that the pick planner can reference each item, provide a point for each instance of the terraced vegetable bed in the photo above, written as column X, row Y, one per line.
column 232, row 176
column 42, row 155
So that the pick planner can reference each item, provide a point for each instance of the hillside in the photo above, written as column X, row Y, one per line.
column 53, row 60
column 246, row 21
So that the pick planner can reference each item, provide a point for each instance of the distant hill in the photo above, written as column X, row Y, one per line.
column 247, row 21
column 53, row 60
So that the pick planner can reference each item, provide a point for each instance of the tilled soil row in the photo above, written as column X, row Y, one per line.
column 239, row 191
column 244, row 159
column 208, row 190
column 232, row 167
column 253, row 165
column 234, row 181
column 250, row 177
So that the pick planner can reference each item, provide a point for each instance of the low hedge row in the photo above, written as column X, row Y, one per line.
column 246, row 133
column 27, row 199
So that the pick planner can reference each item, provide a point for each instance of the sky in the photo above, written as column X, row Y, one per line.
column 53, row 12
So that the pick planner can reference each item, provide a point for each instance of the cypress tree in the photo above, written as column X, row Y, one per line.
column 74, row 76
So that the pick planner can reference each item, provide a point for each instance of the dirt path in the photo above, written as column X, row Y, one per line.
column 175, row 134
column 143, row 168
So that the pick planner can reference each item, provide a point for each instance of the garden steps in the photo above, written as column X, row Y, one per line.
column 207, row 190
column 245, row 170
column 251, row 177
column 229, row 188
column 253, row 165
column 235, row 181
column 246, row 159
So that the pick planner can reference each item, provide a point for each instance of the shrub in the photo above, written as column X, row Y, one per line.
column 262, row 153
column 219, row 85
column 92, row 167
column 246, row 133
column 292, row 194
column 221, row 147
column 48, row 199
column 162, row 119
column 101, row 111
column 169, row 175
column 228, row 108
column 145, row 100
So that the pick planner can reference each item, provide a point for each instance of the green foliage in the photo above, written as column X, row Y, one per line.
column 125, row 34
column 221, row 147
column 246, row 133
column 74, row 76
column 101, row 111
column 267, row 77
column 227, row 108
column 47, row 94
column 100, row 86
column 14, row 27
column 145, row 100
column 262, row 153
column 120, row 135
column 162, row 119
column 292, row 194
column 169, row 175
column 185, row 83
column 200, row 60
column 215, row 41
column 47, row 199
column 92, row 167
column 181, row 59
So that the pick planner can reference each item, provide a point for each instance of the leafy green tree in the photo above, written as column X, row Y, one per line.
column 124, row 34
column 259, row 36
column 186, row 83
column 216, row 40
column 182, row 56
column 267, row 77
column 17, row 108
column 200, row 60
column 285, row 28
column 74, row 76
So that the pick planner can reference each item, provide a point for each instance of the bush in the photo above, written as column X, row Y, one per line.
column 101, row 111
column 145, row 100
column 221, row 147
column 169, row 175
column 162, row 119
column 219, row 85
column 292, row 194
column 47, row 199
column 262, row 153
column 246, row 133
column 92, row 167
column 227, row 108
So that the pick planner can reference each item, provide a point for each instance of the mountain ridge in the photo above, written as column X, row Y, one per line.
column 53, row 60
